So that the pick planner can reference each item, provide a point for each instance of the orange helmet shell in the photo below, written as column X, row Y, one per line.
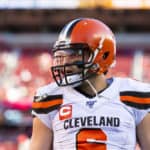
column 97, row 35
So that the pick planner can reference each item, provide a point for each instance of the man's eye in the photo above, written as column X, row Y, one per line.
column 59, row 57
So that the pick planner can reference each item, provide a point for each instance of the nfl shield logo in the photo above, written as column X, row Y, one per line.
column 90, row 103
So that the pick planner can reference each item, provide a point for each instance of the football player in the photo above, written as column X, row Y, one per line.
column 82, row 109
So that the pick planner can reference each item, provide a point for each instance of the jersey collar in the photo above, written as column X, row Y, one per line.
column 108, row 92
column 111, row 91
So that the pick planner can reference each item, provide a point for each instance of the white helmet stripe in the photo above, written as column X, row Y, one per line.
column 65, row 33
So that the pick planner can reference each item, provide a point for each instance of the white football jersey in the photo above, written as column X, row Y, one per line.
column 105, row 122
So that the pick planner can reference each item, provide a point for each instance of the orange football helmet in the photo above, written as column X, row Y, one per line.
column 88, row 35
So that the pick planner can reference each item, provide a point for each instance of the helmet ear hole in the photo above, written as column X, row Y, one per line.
column 105, row 55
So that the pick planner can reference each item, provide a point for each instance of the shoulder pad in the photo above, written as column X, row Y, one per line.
column 46, row 103
column 50, row 89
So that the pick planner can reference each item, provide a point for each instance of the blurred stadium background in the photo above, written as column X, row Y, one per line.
column 28, row 29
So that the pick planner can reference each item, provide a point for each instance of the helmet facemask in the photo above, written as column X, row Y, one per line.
column 74, row 72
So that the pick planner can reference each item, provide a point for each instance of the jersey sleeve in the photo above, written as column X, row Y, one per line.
column 45, row 105
column 137, row 96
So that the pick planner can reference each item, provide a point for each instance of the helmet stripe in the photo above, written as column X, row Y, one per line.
column 66, row 31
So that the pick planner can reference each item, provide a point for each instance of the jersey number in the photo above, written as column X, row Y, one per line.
column 88, row 139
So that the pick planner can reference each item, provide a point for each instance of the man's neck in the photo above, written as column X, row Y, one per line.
column 98, row 82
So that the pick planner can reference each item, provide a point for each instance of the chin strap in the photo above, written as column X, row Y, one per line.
column 92, row 87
